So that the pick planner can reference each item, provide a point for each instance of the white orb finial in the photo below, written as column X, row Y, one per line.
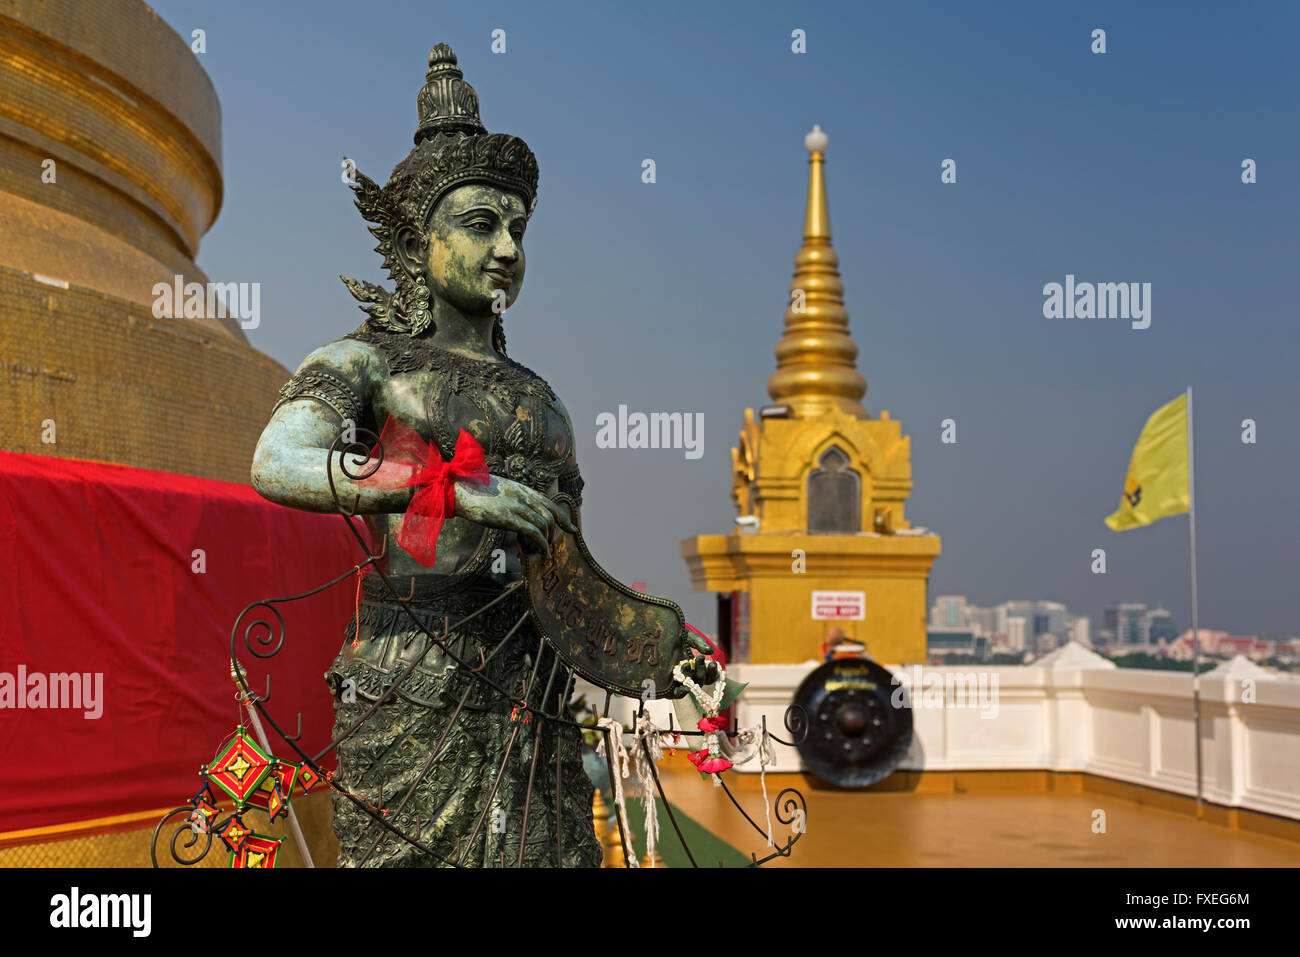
column 816, row 141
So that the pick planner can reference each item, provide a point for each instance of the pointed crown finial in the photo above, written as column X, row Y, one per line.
column 816, row 357
column 446, row 103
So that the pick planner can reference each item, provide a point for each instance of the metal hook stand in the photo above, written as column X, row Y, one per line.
column 265, row 636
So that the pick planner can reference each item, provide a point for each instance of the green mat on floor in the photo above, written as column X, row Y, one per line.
column 709, row 850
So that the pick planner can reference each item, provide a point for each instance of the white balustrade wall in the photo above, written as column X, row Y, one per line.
column 1127, row 724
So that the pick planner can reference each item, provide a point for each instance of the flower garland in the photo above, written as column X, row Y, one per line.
column 709, row 759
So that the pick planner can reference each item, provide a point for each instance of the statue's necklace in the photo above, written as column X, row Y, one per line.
column 515, row 450
column 507, row 380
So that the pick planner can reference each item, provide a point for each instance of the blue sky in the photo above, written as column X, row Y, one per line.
column 669, row 297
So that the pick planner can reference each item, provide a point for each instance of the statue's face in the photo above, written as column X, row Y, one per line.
column 476, row 247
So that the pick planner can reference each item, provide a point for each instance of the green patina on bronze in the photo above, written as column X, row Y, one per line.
column 450, row 225
column 610, row 634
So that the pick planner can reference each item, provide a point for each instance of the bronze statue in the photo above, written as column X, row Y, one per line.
column 450, row 224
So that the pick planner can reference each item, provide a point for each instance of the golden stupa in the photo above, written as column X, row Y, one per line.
column 110, row 174
column 824, row 484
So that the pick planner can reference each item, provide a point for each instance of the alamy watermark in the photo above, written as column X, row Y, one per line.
column 1103, row 300
column 75, row 910
column 948, row 689
column 37, row 690
column 654, row 430
column 211, row 300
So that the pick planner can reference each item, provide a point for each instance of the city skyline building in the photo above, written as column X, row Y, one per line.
column 1124, row 625
column 1037, row 627
column 1019, row 626
column 1160, row 626
column 1015, row 629
column 1079, row 631
column 1126, row 622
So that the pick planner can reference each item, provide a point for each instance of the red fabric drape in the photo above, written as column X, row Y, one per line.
column 97, row 576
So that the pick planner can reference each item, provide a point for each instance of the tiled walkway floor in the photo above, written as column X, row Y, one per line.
column 1028, row 828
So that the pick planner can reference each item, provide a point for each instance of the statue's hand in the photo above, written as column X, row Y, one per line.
column 699, row 644
column 510, row 505
column 567, row 512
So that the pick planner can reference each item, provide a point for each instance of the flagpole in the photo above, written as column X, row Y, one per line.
column 1196, row 634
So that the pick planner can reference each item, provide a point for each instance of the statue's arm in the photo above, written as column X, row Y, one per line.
column 333, row 384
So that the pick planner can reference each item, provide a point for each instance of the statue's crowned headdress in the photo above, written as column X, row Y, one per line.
column 452, row 148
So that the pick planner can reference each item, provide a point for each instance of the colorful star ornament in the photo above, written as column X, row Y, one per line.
column 253, row 778
column 239, row 768
column 234, row 833
column 308, row 779
column 276, row 789
column 205, row 809
column 258, row 850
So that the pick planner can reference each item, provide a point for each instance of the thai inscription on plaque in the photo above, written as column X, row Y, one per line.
column 610, row 634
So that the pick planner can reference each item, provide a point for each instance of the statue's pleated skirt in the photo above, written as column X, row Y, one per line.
column 467, row 805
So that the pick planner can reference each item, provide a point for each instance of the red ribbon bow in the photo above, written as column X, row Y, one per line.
column 408, row 456
column 712, row 724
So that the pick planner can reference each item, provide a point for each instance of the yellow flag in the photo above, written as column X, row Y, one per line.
column 1156, row 485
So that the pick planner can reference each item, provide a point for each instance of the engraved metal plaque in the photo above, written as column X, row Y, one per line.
column 612, row 635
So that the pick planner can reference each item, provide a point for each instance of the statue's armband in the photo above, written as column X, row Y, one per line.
column 329, row 387
column 571, row 485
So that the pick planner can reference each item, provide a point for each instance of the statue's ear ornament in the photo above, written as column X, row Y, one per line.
column 376, row 211
column 378, row 303
column 381, row 300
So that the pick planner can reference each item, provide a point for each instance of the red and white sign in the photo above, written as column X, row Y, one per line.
column 839, row 604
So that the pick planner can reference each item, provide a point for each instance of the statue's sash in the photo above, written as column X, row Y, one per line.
column 617, row 638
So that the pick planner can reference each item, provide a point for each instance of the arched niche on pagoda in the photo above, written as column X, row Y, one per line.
column 834, row 495
column 834, row 466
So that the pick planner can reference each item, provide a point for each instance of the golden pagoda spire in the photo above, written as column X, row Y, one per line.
column 815, row 368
